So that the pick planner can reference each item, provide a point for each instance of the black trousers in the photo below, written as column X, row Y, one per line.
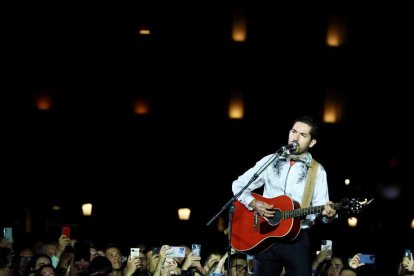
column 295, row 256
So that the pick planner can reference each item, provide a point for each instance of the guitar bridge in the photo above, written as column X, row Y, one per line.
column 255, row 221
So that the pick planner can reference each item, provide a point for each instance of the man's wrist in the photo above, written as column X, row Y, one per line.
column 252, row 204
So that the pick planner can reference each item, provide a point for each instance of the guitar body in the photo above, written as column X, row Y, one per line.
column 244, row 236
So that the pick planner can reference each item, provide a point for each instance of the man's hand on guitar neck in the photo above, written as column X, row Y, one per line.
column 328, row 211
column 262, row 208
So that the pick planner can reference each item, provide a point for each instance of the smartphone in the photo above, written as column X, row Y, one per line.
column 196, row 249
column 134, row 252
column 8, row 234
column 178, row 252
column 66, row 231
column 326, row 245
column 367, row 259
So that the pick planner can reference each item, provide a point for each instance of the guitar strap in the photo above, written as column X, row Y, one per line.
column 310, row 184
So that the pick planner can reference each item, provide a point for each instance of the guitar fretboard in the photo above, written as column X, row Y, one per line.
column 307, row 211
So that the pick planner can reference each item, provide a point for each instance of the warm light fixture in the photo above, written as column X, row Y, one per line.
column 56, row 207
column 221, row 224
column 184, row 213
column 352, row 221
column 239, row 32
column 334, row 106
column 141, row 106
column 412, row 224
column 43, row 102
column 144, row 30
column 336, row 32
column 236, row 106
column 87, row 209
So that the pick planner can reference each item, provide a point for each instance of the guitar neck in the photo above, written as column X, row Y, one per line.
column 306, row 211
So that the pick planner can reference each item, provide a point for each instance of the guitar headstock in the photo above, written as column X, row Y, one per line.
column 354, row 205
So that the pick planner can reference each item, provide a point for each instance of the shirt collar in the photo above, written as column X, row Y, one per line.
column 304, row 158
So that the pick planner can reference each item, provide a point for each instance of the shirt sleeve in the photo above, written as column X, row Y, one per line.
column 238, row 184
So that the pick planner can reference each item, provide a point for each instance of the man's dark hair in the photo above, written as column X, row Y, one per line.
column 100, row 265
column 314, row 131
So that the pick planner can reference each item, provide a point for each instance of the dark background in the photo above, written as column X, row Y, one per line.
column 137, row 170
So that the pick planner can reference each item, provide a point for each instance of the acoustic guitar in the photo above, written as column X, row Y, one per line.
column 252, row 234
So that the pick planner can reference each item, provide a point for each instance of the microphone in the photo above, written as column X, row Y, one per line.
column 291, row 147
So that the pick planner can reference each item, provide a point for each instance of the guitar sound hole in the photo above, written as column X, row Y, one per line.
column 276, row 218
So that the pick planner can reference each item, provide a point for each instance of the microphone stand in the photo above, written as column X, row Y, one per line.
column 275, row 156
